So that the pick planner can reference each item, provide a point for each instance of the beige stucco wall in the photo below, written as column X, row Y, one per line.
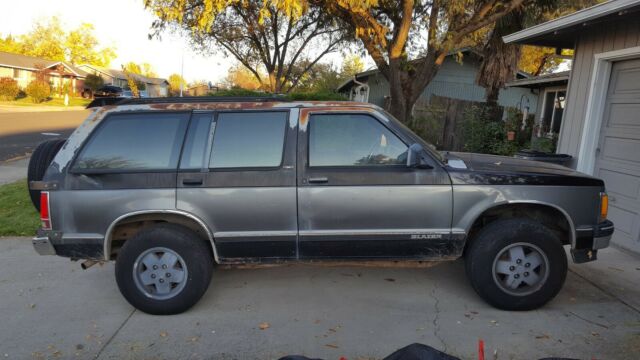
column 602, row 38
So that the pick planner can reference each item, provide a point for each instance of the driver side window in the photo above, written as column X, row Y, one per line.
column 353, row 140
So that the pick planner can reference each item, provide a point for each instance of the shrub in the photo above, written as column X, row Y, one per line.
column 8, row 89
column 38, row 91
column 93, row 82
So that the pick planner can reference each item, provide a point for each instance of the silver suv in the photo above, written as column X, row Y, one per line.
column 170, row 187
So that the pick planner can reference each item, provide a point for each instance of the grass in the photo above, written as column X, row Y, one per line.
column 26, row 101
column 18, row 217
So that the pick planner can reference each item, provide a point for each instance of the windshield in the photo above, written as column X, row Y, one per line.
column 430, row 148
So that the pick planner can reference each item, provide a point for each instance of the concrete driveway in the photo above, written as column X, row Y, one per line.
column 50, row 308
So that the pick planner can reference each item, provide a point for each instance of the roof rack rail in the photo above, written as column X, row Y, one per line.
column 186, row 99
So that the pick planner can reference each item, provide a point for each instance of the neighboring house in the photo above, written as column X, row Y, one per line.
column 601, row 122
column 198, row 90
column 551, row 93
column 455, row 80
column 155, row 87
column 23, row 69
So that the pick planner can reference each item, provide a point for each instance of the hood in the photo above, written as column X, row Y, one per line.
column 482, row 168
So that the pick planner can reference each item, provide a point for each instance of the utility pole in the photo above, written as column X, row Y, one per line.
column 182, row 73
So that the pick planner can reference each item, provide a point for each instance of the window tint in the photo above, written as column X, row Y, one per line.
column 135, row 142
column 353, row 140
column 196, row 143
column 249, row 139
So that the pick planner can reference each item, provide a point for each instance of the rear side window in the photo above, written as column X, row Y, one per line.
column 353, row 140
column 248, row 140
column 149, row 141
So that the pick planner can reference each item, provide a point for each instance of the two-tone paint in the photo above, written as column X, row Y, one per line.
column 424, row 213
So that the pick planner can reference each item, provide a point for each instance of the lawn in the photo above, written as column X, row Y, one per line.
column 26, row 101
column 18, row 217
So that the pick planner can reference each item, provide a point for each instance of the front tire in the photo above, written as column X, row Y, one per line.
column 164, row 269
column 516, row 264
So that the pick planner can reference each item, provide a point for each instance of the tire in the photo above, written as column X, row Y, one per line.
column 38, row 164
column 492, row 265
column 194, row 262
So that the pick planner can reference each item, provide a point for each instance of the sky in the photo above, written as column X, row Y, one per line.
column 123, row 24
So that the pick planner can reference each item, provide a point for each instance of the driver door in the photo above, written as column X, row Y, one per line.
column 357, row 198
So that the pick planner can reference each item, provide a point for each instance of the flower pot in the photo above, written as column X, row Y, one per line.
column 511, row 135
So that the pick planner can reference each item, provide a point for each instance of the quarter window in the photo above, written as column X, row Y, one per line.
column 353, row 140
column 149, row 141
column 247, row 140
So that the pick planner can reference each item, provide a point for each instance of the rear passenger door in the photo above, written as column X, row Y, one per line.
column 358, row 199
column 238, row 174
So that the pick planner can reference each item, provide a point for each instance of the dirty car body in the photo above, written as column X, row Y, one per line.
column 302, row 200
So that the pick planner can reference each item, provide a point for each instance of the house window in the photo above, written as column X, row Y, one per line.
column 554, row 104
column 18, row 73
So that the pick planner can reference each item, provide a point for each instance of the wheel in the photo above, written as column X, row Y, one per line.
column 516, row 264
column 38, row 164
column 164, row 269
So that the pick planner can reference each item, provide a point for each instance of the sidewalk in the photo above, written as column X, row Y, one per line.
column 35, row 108
column 11, row 171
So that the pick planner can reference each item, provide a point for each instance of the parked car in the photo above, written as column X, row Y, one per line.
column 108, row 91
column 168, row 187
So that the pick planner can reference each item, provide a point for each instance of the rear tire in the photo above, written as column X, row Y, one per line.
column 164, row 269
column 38, row 164
column 516, row 264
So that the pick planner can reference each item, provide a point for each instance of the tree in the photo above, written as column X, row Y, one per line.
column 49, row 40
column 93, row 82
column 144, row 69
column 240, row 77
column 351, row 65
column 268, row 37
column 538, row 60
column 409, row 39
column 132, row 82
column 175, row 80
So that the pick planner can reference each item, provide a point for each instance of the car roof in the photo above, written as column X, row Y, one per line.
column 218, row 102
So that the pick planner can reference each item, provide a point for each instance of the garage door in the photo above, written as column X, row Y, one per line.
column 618, row 161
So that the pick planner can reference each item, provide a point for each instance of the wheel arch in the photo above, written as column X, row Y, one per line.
column 145, row 218
column 548, row 214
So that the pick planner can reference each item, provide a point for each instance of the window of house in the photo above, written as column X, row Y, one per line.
column 554, row 104
column 248, row 140
column 353, row 140
column 143, row 141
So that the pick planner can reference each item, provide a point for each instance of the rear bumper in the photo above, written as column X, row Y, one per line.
column 590, row 240
column 76, row 246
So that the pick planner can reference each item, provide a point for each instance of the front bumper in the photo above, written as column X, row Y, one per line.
column 590, row 240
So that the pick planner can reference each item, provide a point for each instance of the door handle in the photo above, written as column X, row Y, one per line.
column 192, row 182
column 318, row 180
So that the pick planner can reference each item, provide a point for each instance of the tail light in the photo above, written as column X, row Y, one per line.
column 44, row 210
column 604, row 206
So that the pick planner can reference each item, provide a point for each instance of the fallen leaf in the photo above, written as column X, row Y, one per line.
column 543, row 336
column 317, row 322
column 264, row 326
column 333, row 346
column 194, row 339
column 79, row 347
column 595, row 334
column 163, row 334
column 390, row 279
column 474, row 312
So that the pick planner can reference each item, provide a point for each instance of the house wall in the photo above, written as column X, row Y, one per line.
column 606, row 37
column 23, row 79
column 455, row 80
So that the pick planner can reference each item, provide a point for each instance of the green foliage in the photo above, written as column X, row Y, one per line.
column 8, row 89
column 17, row 215
column 544, row 144
column 238, row 92
column 93, row 82
column 38, row 91
column 487, row 136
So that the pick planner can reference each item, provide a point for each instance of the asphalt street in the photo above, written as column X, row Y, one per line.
column 50, row 308
column 21, row 132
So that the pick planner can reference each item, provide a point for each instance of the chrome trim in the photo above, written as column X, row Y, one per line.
column 232, row 234
column 379, row 232
column 43, row 246
column 107, row 241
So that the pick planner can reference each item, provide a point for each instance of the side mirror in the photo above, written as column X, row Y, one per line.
column 414, row 157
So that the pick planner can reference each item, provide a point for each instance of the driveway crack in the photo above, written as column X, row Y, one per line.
column 436, row 317
column 114, row 334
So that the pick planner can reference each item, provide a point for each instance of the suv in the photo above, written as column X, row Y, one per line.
column 170, row 187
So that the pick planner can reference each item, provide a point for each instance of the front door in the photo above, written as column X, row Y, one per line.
column 356, row 196
column 237, row 173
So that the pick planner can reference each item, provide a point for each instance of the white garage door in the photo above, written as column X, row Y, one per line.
column 618, row 162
